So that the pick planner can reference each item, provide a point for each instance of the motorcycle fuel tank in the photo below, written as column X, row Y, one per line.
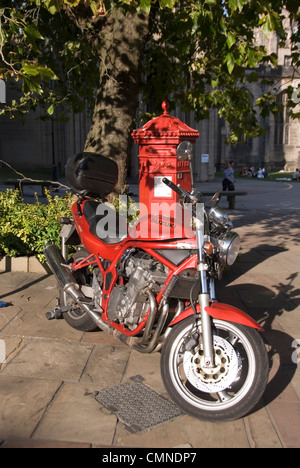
column 158, row 227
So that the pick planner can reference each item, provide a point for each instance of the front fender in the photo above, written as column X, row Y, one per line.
column 221, row 311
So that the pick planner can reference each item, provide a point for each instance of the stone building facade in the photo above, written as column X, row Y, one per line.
column 280, row 146
column 39, row 144
column 44, row 144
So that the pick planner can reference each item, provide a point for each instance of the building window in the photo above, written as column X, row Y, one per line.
column 281, row 131
column 287, row 60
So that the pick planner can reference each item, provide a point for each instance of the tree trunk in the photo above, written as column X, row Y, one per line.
column 124, row 37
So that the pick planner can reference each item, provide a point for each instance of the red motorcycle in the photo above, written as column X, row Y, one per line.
column 156, row 292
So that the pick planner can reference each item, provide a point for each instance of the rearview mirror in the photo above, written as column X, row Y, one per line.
column 214, row 200
column 184, row 151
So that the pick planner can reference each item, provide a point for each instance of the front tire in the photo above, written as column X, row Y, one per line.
column 232, row 388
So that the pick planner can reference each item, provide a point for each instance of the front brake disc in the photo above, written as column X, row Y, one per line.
column 218, row 378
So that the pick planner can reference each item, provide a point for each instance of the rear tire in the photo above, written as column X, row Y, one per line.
column 76, row 317
column 235, row 385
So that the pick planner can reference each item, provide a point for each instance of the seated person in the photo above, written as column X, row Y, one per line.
column 296, row 175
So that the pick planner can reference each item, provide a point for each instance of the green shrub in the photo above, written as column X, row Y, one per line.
column 25, row 228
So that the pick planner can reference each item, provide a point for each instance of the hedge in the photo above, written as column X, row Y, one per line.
column 25, row 228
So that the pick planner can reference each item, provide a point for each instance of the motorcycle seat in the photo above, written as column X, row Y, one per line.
column 105, row 222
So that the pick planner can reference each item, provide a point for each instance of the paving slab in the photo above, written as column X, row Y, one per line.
column 261, row 431
column 41, row 359
column 34, row 443
column 106, row 365
column 30, row 322
column 23, row 402
column 7, row 314
column 75, row 416
column 187, row 431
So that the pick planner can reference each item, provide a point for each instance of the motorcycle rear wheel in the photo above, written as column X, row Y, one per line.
column 232, row 388
column 76, row 317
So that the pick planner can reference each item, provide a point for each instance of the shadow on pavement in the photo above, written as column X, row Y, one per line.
column 24, row 286
column 264, row 305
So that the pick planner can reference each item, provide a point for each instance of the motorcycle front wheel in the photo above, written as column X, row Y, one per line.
column 231, row 388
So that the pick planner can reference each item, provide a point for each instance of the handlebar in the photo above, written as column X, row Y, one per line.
column 174, row 187
column 179, row 190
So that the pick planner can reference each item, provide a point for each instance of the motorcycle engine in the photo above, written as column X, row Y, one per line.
column 129, row 303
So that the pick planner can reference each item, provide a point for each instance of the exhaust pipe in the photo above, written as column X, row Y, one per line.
column 65, row 278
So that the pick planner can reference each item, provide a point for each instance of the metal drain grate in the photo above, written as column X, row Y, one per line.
column 137, row 406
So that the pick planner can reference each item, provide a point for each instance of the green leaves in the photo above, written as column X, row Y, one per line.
column 167, row 3
column 25, row 228
column 32, row 33
column 33, row 74
column 230, row 62
column 230, row 40
column 41, row 71
column 37, row 49
column 50, row 110
column 202, row 53
column 100, row 7
column 270, row 21
column 53, row 6
column 20, row 36
column 237, row 4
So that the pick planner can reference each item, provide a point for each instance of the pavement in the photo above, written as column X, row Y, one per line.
column 50, row 373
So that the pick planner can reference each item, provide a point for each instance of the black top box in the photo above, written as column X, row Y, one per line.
column 91, row 174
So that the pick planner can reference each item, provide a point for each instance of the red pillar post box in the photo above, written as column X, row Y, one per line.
column 158, row 140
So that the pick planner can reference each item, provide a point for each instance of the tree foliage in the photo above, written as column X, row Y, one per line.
column 200, row 54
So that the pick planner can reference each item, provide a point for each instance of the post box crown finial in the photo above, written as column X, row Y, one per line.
column 165, row 107
column 164, row 127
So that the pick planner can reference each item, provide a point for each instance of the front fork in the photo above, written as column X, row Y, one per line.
column 205, row 297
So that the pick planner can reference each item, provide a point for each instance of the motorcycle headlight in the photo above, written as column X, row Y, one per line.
column 229, row 246
column 219, row 217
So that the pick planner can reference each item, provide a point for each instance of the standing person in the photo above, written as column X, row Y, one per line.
column 228, row 180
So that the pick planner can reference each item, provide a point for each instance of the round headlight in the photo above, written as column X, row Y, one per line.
column 219, row 217
column 229, row 246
